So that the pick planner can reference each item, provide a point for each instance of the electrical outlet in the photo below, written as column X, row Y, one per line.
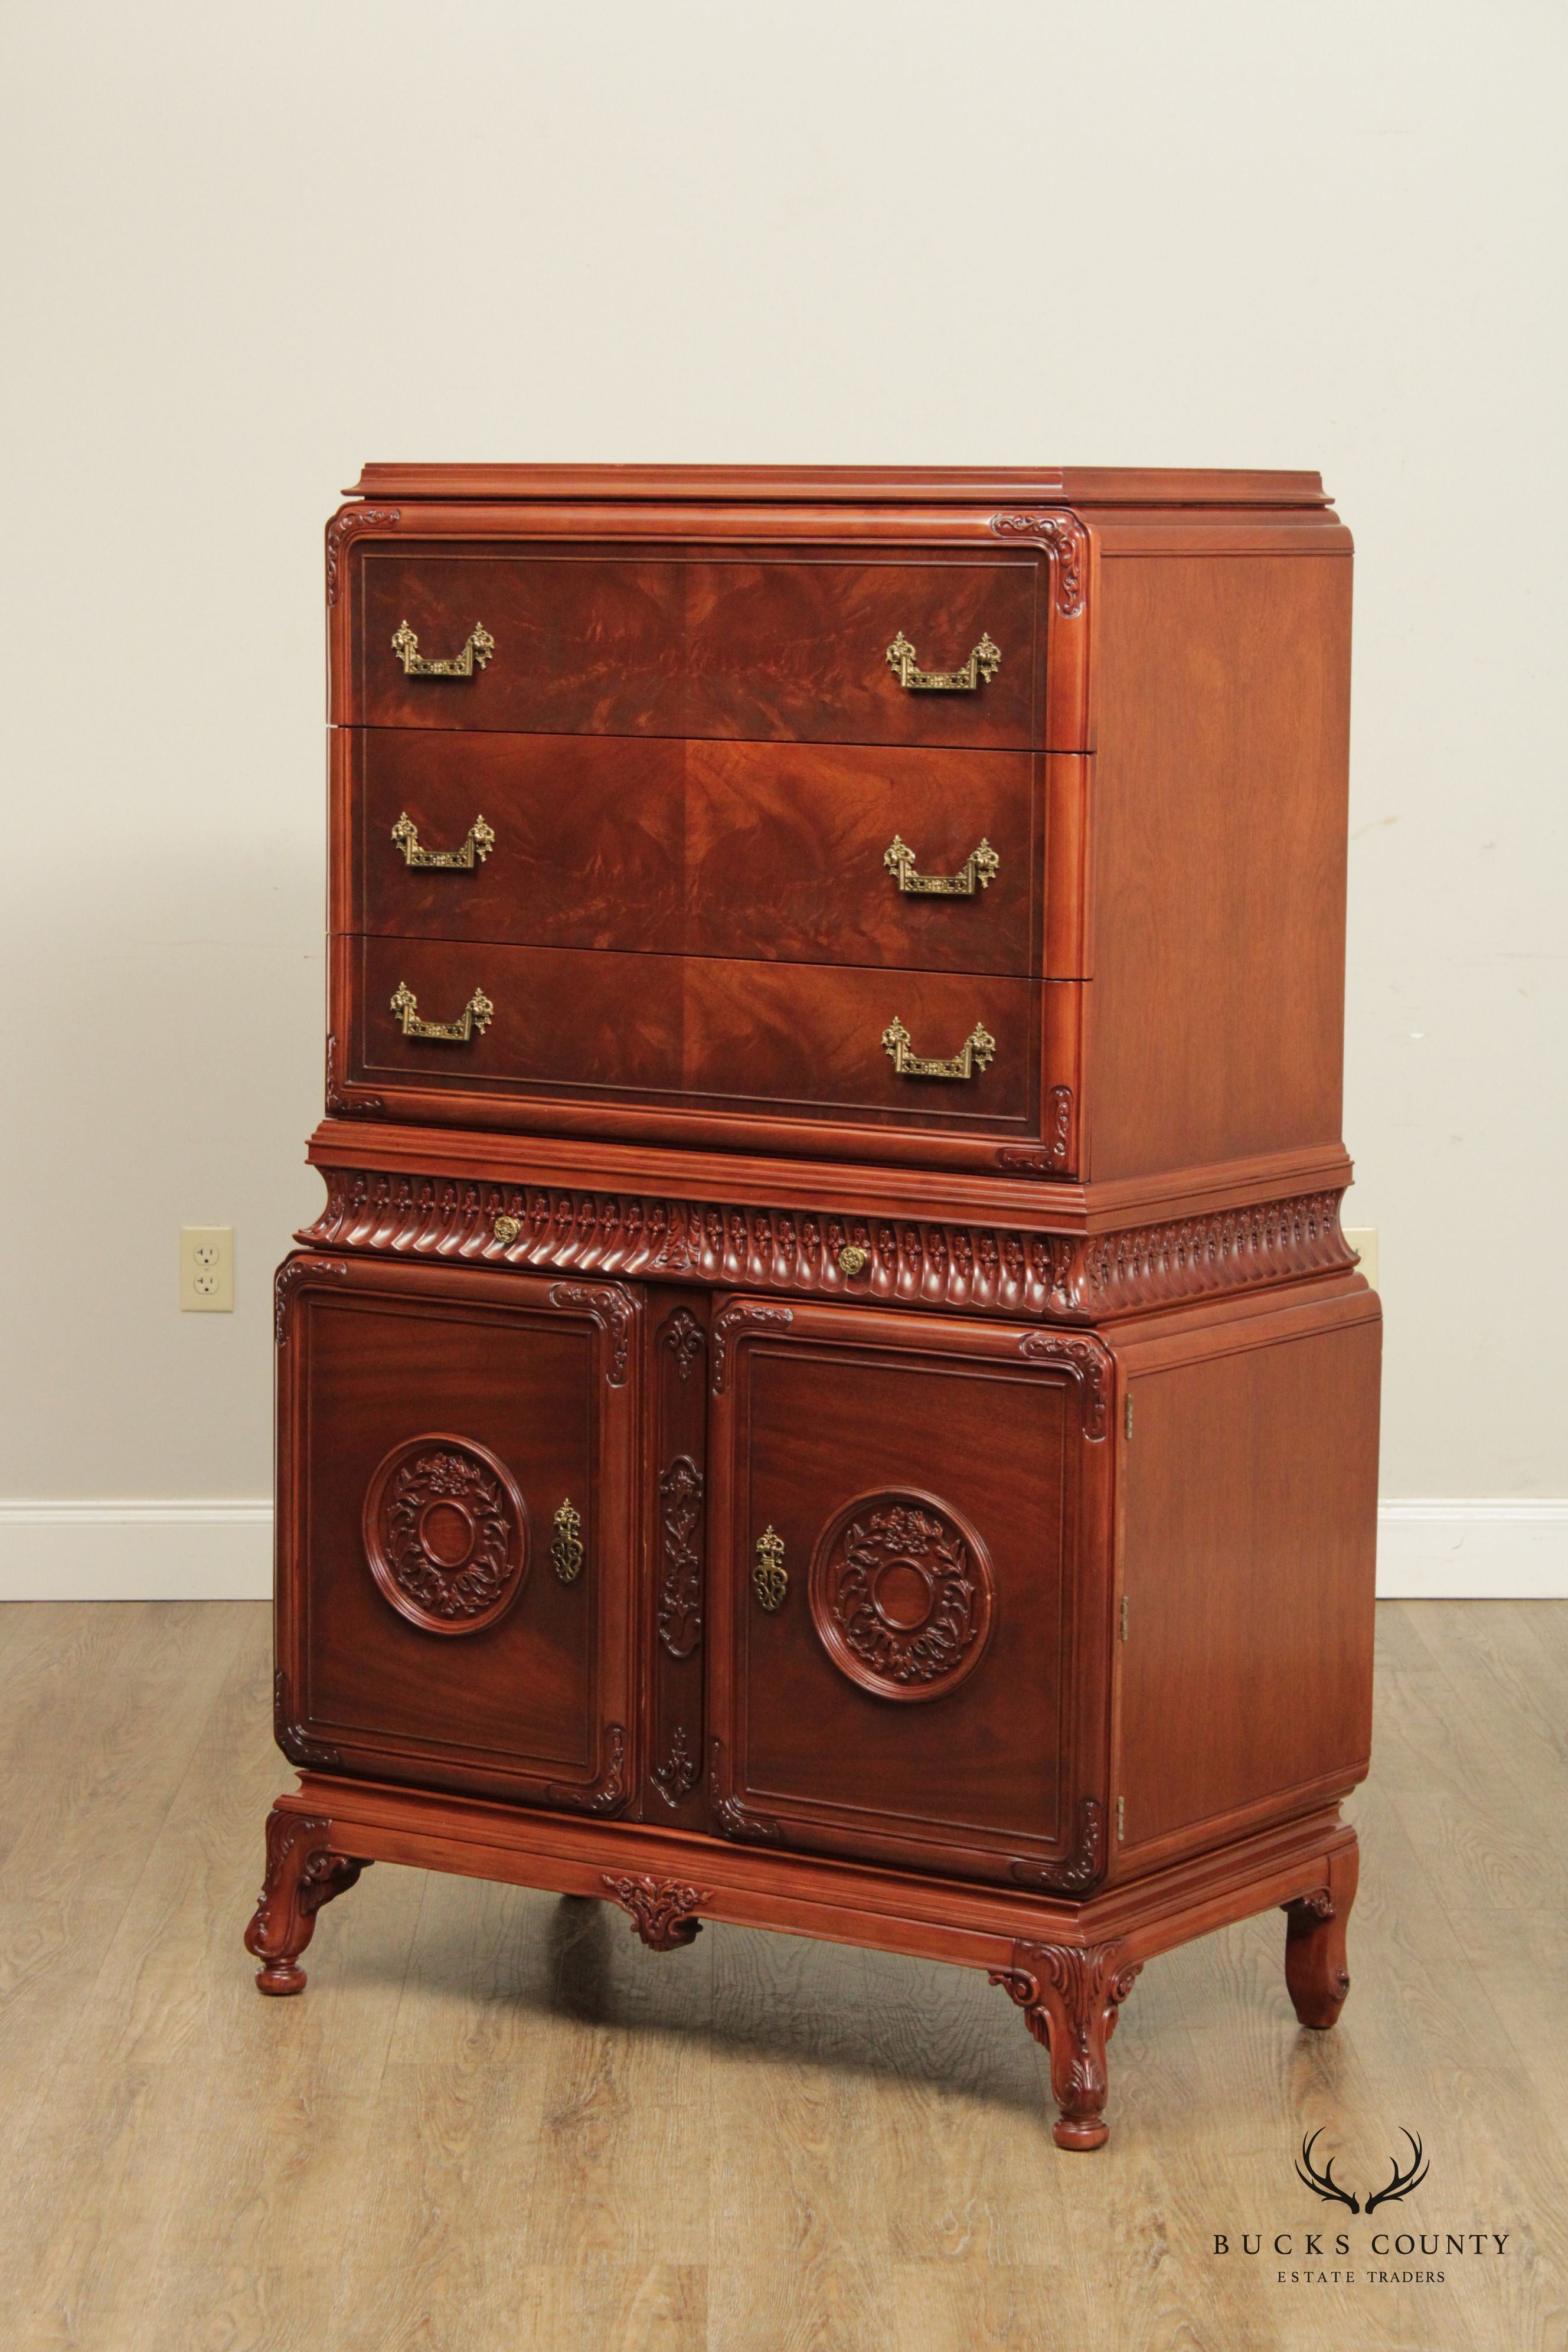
column 207, row 1269
column 1363, row 1239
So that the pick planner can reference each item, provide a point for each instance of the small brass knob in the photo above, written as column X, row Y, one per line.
column 507, row 1229
column 853, row 1259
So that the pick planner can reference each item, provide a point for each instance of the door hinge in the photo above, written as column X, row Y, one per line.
column 1127, row 1413
column 1124, row 1617
column 1121, row 1820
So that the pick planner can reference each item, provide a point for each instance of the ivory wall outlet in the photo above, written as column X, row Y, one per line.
column 207, row 1269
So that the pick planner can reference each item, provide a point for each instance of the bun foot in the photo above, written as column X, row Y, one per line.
column 302, row 1873
column 1316, row 1976
column 1071, row 1994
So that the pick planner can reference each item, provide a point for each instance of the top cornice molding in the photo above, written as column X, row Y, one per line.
column 980, row 486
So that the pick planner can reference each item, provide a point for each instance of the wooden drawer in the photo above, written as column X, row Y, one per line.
column 904, row 1659
column 792, row 1041
column 768, row 850
column 786, row 647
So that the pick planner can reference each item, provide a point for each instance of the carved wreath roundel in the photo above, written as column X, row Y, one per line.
column 446, row 1534
column 901, row 1594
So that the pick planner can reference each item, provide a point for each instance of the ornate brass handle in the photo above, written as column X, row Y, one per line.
column 982, row 664
column 566, row 1544
column 982, row 865
column 474, row 1015
column 770, row 1578
column 974, row 1055
column 478, row 847
column 475, row 654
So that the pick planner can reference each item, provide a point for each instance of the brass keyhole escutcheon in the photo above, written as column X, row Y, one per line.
column 770, row 1578
column 566, row 1544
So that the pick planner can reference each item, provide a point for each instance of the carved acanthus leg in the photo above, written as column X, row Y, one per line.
column 1315, row 1970
column 1069, row 1994
column 302, row 1875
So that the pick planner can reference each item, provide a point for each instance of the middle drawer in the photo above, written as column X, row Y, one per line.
column 927, row 860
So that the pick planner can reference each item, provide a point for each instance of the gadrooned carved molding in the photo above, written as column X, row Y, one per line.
column 663, row 1910
column 310, row 1755
column 1088, row 1362
column 965, row 1268
column 341, row 530
column 1083, row 1868
column 610, row 1305
column 901, row 1591
column 446, row 1534
column 1069, row 543
column 294, row 1270
column 680, row 1566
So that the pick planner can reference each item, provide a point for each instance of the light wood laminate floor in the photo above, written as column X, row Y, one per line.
column 495, row 2122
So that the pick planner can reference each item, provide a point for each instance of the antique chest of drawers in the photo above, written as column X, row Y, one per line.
column 828, row 1391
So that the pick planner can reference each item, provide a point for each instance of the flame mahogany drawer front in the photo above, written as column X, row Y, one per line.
column 789, row 647
column 810, row 854
column 792, row 1040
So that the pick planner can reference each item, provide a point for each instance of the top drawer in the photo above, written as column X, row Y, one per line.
column 546, row 642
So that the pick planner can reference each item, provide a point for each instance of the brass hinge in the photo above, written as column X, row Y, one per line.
column 1121, row 1820
column 1127, row 1413
column 1124, row 1627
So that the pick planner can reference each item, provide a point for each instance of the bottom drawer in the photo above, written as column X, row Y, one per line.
column 793, row 1040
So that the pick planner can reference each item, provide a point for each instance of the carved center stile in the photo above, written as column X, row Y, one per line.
column 901, row 1595
column 446, row 1534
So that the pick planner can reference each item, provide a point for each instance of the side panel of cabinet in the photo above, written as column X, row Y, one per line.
column 456, row 1528
column 1249, row 1552
column 907, row 1591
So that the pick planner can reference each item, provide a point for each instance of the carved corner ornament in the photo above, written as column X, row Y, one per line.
column 341, row 529
column 336, row 1100
column 613, row 1308
column 741, row 1318
column 1071, row 1994
column 1053, row 1158
column 664, row 1911
column 1082, row 1869
column 732, row 1816
column 605, row 1794
column 310, row 1755
column 293, row 1270
column 1088, row 1362
column 1068, row 540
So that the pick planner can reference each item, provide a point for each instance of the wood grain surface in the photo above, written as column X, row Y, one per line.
column 496, row 2121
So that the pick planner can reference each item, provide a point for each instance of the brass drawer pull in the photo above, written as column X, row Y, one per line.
column 770, row 1580
column 983, row 664
column 982, row 865
column 477, row 848
column 566, row 1544
column 474, row 1015
column 475, row 654
column 974, row 1055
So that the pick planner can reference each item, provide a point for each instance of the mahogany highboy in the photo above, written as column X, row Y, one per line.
column 829, row 1391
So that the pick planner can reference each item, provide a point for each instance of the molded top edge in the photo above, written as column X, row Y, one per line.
column 854, row 485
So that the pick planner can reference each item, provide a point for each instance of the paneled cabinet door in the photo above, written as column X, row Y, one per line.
column 455, row 1528
column 909, row 1593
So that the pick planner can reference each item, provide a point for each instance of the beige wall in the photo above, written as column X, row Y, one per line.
column 249, row 247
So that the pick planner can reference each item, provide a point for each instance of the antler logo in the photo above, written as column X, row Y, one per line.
column 1324, row 2185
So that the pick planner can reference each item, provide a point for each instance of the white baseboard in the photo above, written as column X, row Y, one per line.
column 1493, row 1548
column 1488, row 1549
column 135, row 1552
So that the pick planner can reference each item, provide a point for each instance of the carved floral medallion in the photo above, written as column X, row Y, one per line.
column 446, row 1534
column 901, row 1595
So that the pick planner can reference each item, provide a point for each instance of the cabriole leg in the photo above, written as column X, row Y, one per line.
column 302, row 1875
column 1071, row 1994
column 1315, row 1971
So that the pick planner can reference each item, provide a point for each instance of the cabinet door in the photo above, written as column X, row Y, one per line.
column 455, row 1531
column 910, row 1596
